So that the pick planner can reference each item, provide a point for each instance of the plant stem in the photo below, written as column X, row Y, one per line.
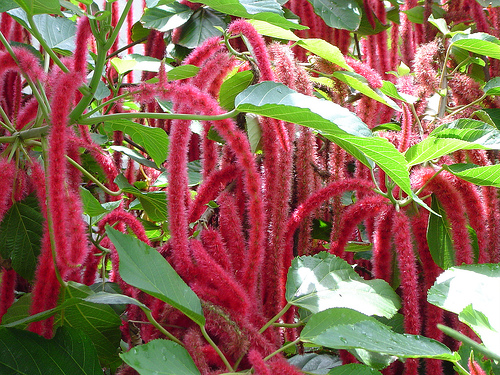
column 50, row 223
column 216, row 348
column 7, row 124
column 164, row 116
column 124, row 48
column 276, row 317
column 25, row 134
column 119, row 24
column 159, row 327
column 95, row 180
column 288, row 325
column 284, row 347
column 110, row 101
column 443, row 86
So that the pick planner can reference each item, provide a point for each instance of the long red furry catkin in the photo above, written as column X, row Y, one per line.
column 409, row 282
column 382, row 254
column 7, row 289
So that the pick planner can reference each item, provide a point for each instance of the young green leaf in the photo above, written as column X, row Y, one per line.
column 324, row 281
column 480, row 43
column 69, row 352
column 343, row 328
column 143, row 267
column 182, row 72
column 232, row 87
column 91, row 205
column 21, row 233
column 160, row 357
column 353, row 368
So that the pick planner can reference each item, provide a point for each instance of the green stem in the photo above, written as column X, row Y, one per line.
column 159, row 327
column 45, row 46
column 95, row 180
column 288, row 325
column 50, row 223
column 443, row 86
column 26, row 134
column 216, row 348
column 428, row 181
column 119, row 24
column 276, row 317
column 164, row 116
column 7, row 124
column 283, row 348
column 460, row 369
column 110, row 101
column 468, row 105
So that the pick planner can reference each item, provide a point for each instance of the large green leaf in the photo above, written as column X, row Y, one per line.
column 203, row 24
column 480, row 43
column 353, row 368
column 39, row 6
column 154, row 140
column 166, row 17
column 338, row 14
column 160, row 357
column 154, row 203
column 6, row 5
column 324, row 281
column 143, row 267
column 58, row 32
column 137, row 62
column 91, row 206
column 474, row 285
column 342, row 328
column 336, row 123
column 21, row 233
column 480, row 175
column 439, row 237
column 69, row 352
column 99, row 322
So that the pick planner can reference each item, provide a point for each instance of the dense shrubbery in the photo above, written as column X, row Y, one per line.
column 263, row 190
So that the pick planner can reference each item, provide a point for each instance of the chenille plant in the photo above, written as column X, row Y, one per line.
column 268, row 188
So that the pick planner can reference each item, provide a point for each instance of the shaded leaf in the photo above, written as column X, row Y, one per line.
column 315, row 363
column 160, row 357
column 143, row 267
column 354, row 368
column 492, row 87
column 21, row 233
column 69, row 352
column 201, row 26
column 439, row 237
column 154, row 140
column 342, row 328
column 134, row 155
column 114, row 299
column 338, row 14
column 324, row 281
column 40, row 6
column 91, row 206
column 100, row 322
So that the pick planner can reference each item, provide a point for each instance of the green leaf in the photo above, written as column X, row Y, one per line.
column 58, row 32
column 254, row 131
column 20, row 309
column 114, row 299
column 21, row 233
column 275, row 100
column 439, row 237
column 365, row 27
column 388, row 88
column 201, row 26
column 166, row 17
column 267, row 29
column 160, row 357
column 32, row 7
column 487, row 3
column 353, row 368
column 462, row 134
column 134, row 155
column 195, row 177
column 324, row 281
column 6, row 5
column 342, row 328
column 325, row 50
column 334, row 122
column 478, row 175
column 91, row 206
column 99, row 322
column 480, row 43
column 265, row 10
column 387, row 126
column 359, row 83
column 139, row 32
column 461, row 286
column 123, row 66
column 314, row 363
column 338, row 14
column 154, row 140
column 182, row 72
column 232, row 86
column 143, row 267
column 492, row 87
column 69, row 352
